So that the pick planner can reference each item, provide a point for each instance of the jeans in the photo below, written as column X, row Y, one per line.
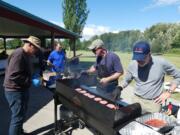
column 17, row 101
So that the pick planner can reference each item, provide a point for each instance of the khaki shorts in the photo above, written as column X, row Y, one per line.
column 146, row 104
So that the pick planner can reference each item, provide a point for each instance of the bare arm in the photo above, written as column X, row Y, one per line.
column 114, row 76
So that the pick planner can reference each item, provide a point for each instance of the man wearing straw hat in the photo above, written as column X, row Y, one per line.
column 17, row 82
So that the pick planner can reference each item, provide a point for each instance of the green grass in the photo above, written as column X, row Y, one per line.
column 174, row 59
column 126, row 58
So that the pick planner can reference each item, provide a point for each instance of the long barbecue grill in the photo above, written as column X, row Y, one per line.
column 84, row 110
column 99, row 117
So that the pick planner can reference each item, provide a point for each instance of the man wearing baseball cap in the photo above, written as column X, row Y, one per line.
column 148, row 73
column 108, row 68
column 17, row 82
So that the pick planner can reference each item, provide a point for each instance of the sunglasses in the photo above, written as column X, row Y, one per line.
column 94, row 51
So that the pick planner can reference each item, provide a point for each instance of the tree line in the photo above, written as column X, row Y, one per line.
column 163, row 38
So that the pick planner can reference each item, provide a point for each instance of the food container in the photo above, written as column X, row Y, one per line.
column 168, row 122
column 135, row 128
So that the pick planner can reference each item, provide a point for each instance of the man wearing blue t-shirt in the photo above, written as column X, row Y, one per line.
column 108, row 68
column 57, row 59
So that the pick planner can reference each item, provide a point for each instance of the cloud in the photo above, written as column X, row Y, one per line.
column 161, row 3
column 92, row 30
column 166, row 2
column 115, row 31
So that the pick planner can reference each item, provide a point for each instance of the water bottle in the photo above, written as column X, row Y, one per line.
column 178, row 116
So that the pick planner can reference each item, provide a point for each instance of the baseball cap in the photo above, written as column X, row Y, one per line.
column 140, row 50
column 96, row 44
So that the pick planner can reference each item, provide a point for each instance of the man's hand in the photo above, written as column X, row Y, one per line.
column 49, row 63
column 113, row 77
column 92, row 69
column 162, row 98
column 104, row 80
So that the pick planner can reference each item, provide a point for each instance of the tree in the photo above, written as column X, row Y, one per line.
column 176, row 35
column 176, row 42
column 75, row 14
column 160, row 36
column 163, row 38
column 14, row 43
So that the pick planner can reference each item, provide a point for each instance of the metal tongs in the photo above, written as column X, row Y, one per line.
column 117, row 94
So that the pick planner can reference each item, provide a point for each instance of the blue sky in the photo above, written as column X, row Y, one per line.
column 109, row 15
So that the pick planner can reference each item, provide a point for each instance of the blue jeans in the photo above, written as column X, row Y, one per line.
column 18, row 101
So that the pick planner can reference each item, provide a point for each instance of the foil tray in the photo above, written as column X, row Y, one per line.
column 169, row 120
column 135, row 128
column 175, row 131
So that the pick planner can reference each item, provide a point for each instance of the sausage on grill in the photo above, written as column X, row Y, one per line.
column 103, row 102
column 97, row 99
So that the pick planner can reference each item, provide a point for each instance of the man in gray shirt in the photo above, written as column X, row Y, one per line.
column 148, row 73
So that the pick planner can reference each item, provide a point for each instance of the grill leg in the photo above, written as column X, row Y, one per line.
column 55, row 113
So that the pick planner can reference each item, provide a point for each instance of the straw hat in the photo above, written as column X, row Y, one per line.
column 34, row 40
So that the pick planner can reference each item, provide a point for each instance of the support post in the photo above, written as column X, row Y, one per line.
column 74, row 47
column 4, row 39
column 52, row 41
